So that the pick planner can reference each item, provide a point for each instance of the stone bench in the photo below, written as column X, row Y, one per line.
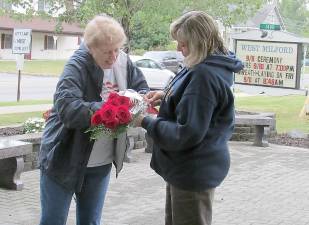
column 136, row 140
column 259, row 122
column 12, row 162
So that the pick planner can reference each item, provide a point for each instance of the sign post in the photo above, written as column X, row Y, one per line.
column 19, row 67
column 20, row 46
column 304, row 113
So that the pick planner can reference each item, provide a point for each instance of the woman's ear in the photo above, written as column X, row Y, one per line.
column 182, row 46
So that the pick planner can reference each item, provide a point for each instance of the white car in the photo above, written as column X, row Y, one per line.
column 156, row 75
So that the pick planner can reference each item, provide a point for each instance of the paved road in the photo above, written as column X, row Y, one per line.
column 40, row 87
column 32, row 87
column 265, row 186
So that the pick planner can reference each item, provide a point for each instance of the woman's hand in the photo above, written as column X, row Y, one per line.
column 154, row 97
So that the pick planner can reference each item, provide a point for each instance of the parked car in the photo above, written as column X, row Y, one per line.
column 156, row 75
column 172, row 60
column 306, row 62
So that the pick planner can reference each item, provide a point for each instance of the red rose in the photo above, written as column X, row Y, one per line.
column 124, row 101
column 46, row 114
column 114, row 101
column 96, row 119
column 120, row 100
column 112, row 124
column 112, row 95
column 108, row 112
column 123, row 114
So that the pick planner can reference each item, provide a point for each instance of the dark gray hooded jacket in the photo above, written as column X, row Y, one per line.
column 65, row 147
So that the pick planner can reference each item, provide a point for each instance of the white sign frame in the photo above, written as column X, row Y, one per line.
column 272, row 64
column 21, row 41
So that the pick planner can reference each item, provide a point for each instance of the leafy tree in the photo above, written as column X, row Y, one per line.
column 150, row 34
column 151, row 12
column 146, row 22
column 151, row 25
column 295, row 16
column 228, row 12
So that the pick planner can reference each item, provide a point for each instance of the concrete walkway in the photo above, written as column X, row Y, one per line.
column 265, row 186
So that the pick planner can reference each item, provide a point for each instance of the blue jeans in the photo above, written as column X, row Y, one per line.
column 55, row 200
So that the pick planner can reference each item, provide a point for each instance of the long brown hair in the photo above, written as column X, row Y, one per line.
column 200, row 32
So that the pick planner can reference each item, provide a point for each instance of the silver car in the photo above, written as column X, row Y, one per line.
column 156, row 75
column 172, row 60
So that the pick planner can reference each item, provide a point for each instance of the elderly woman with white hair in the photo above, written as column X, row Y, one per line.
column 70, row 162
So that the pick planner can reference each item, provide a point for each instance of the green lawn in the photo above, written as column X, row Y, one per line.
column 17, row 118
column 26, row 102
column 35, row 67
column 286, row 108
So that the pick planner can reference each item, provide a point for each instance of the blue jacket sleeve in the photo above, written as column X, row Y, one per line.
column 189, row 128
column 73, row 111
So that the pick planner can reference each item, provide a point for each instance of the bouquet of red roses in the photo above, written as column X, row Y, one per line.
column 116, row 114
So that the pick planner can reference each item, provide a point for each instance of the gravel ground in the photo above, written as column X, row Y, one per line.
column 286, row 139
column 9, row 131
column 280, row 139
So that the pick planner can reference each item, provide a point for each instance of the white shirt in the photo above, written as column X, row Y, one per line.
column 103, row 148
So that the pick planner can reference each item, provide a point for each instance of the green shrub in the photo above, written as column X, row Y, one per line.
column 172, row 46
column 138, row 51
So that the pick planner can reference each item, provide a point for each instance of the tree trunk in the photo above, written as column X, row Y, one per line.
column 125, row 22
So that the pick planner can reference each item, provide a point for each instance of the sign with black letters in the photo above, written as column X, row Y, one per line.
column 21, row 41
column 271, row 64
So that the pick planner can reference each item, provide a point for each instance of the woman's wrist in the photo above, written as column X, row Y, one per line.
column 162, row 93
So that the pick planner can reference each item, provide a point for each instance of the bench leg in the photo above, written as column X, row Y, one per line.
column 10, row 171
column 260, row 139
